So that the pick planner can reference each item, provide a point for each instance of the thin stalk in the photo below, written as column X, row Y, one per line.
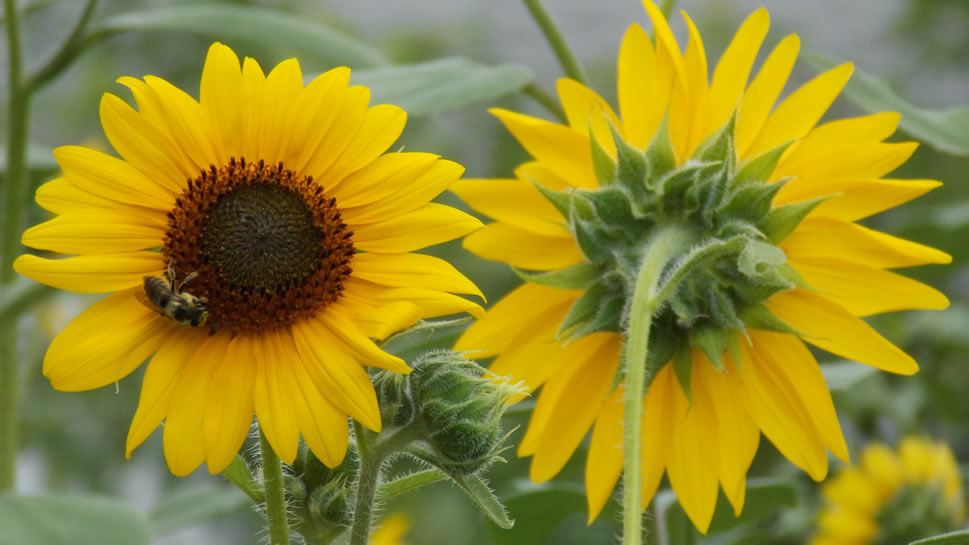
column 370, row 461
column 555, row 39
column 272, row 479
column 664, row 247
column 75, row 44
column 546, row 100
column 15, row 179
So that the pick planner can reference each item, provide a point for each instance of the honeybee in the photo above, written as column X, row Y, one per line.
column 168, row 299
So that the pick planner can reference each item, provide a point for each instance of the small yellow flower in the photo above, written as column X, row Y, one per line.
column 719, row 160
column 391, row 531
column 288, row 231
column 893, row 496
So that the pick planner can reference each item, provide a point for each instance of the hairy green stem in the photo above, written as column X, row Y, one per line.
column 546, row 100
column 15, row 178
column 370, row 460
column 555, row 39
column 667, row 245
column 272, row 480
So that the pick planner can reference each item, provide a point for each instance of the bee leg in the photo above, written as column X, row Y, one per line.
column 188, row 279
column 171, row 275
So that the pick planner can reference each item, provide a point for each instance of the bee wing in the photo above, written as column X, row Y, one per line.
column 142, row 298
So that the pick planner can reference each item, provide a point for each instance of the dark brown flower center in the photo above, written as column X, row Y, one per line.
column 269, row 247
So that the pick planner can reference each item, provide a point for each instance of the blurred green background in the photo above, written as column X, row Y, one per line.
column 75, row 442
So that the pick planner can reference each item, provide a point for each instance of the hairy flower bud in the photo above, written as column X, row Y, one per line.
column 322, row 496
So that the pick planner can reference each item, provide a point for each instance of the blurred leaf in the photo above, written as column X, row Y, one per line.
column 764, row 496
column 19, row 295
column 39, row 159
column 258, row 25
column 946, row 130
column 952, row 538
column 77, row 520
column 843, row 375
column 194, row 505
column 539, row 510
column 482, row 496
column 407, row 483
column 442, row 84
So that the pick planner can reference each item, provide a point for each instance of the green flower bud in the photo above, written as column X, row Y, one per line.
column 321, row 496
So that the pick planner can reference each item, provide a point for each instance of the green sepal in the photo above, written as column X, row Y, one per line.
column 602, row 164
column 581, row 207
column 760, row 168
column 574, row 277
column 719, row 146
column 561, row 200
column 794, row 277
column 599, row 308
column 675, row 189
column 615, row 205
column 683, row 369
column 759, row 317
column 782, row 221
column 712, row 341
column 733, row 348
column 589, row 240
column 632, row 169
column 660, row 157
column 752, row 202
column 759, row 261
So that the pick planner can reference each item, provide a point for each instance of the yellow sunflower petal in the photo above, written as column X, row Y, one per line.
column 525, row 249
column 694, row 443
column 569, row 403
column 801, row 111
column 428, row 225
column 731, row 74
column 604, row 462
column 60, row 196
column 219, row 96
column 827, row 237
column 412, row 271
column 586, row 111
column 143, row 145
column 97, row 232
column 229, row 408
column 660, row 415
column 273, row 398
column 829, row 326
column 382, row 125
column 524, row 308
column 183, row 438
column 341, row 380
column 91, row 273
column 536, row 172
column 350, row 115
column 637, row 84
column 759, row 98
column 401, row 183
column 323, row 427
column 515, row 202
column 854, row 199
column 250, row 95
column 865, row 160
column 778, row 411
column 111, row 178
column 561, row 149
column 689, row 103
column 318, row 114
column 277, row 109
column 375, row 318
column 853, row 490
column 849, row 526
column 92, row 351
column 794, row 364
column 160, row 380
column 841, row 133
column 864, row 290
column 670, row 63
column 883, row 467
column 189, row 124
column 360, row 347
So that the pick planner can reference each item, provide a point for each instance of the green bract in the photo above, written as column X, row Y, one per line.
column 722, row 277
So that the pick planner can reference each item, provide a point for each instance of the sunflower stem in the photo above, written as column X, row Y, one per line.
column 18, row 108
column 667, row 245
column 370, row 462
column 546, row 100
column 555, row 39
column 272, row 480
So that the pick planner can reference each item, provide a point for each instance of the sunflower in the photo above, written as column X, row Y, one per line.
column 893, row 496
column 273, row 218
column 391, row 531
column 774, row 194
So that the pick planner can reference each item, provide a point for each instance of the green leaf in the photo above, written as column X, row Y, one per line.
column 78, row 520
column 238, row 474
column 441, row 85
column 946, row 130
column 952, row 538
column 288, row 32
column 194, row 505
column 407, row 483
column 481, row 494
column 574, row 277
